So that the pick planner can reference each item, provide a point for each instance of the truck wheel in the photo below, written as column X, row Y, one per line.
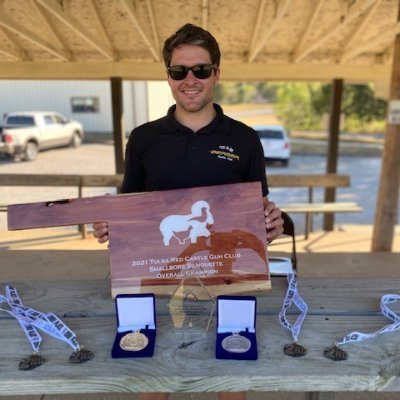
column 76, row 140
column 31, row 151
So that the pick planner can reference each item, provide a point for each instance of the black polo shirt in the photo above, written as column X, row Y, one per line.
column 164, row 154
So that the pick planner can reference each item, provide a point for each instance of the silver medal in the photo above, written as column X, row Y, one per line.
column 236, row 343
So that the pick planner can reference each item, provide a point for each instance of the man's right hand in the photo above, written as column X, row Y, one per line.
column 100, row 231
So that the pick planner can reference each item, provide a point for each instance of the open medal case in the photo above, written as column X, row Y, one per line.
column 136, row 325
column 236, row 328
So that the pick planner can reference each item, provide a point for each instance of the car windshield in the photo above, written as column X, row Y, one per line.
column 270, row 134
column 20, row 120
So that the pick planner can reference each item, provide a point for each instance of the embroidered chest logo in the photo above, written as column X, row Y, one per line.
column 225, row 153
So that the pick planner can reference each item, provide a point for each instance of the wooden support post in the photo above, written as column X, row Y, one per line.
column 81, row 227
column 118, row 123
column 333, row 145
column 388, row 194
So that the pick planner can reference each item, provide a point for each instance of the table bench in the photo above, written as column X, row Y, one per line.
column 310, row 182
column 316, row 208
column 336, row 307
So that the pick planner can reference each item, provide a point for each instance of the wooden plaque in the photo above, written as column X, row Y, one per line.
column 159, row 239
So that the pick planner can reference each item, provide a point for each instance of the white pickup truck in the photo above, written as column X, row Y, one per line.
column 24, row 134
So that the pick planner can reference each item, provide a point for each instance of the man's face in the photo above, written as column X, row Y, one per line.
column 192, row 94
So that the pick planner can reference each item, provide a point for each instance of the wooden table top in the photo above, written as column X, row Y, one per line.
column 336, row 307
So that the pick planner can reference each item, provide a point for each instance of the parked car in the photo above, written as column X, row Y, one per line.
column 275, row 142
column 24, row 134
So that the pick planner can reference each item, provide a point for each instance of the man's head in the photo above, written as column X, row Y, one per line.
column 192, row 57
column 195, row 36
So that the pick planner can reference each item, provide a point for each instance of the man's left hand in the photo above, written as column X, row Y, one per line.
column 273, row 220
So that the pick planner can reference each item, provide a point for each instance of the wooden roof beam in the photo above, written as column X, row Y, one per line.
column 354, row 12
column 17, row 53
column 205, row 9
column 149, row 5
column 260, row 14
column 356, row 34
column 96, row 16
column 310, row 25
column 46, row 21
column 20, row 30
column 386, row 56
column 156, row 71
column 387, row 36
column 283, row 5
column 133, row 17
column 66, row 18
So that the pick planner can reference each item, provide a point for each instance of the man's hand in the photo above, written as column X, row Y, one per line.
column 273, row 220
column 100, row 231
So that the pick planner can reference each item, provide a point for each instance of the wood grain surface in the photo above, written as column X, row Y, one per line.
column 157, row 238
column 330, row 297
column 336, row 307
column 372, row 365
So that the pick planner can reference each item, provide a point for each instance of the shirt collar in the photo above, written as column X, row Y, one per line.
column 218, row 124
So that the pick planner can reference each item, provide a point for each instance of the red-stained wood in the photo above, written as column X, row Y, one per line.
column 148, row 253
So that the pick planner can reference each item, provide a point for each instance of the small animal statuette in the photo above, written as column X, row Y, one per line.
column 335, row 353
column 80, row 356
column 33, row 361
column 295, row 350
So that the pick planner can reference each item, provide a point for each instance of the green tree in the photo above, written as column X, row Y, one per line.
column 294, row 105
column 359, row 101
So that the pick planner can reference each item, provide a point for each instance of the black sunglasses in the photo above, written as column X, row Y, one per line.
column 200, row 71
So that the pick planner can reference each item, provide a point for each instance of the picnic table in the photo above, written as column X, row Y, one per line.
column 336, row 307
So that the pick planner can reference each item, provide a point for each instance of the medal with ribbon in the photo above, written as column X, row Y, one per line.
column 335, row 353
column 292, row 297
column 31, row 320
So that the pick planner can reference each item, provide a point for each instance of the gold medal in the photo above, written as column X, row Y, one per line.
column 133, row 341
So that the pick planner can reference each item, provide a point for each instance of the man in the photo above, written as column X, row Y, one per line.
column 183, row 149
column 195, row 144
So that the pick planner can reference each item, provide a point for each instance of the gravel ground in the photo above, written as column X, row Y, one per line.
column 91, row 158
column 98, row 158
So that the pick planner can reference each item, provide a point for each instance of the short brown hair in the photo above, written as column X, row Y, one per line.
column 195, row 36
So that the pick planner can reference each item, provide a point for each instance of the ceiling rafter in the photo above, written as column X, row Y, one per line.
column 11, row 53
column 149, row 5
column 356, row 34
column 205, row 9
column 354, row 12
column 100, row 24
column 343, row 7
column 46, row 21
column 20, row 30
column 387, row 54
column 280, row 12
column 390, row 34
column 310, row 25
column 133, row 17
column 260, row 14
column 17, row 53
column 65, row 17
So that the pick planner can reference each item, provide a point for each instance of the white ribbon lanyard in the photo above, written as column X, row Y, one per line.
column 387, row 312
column 292, row 297
column 30, row 319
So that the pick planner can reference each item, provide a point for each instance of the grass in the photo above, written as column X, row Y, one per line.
column 263, row 114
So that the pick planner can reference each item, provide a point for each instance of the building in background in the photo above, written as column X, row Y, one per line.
column 89, row 102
